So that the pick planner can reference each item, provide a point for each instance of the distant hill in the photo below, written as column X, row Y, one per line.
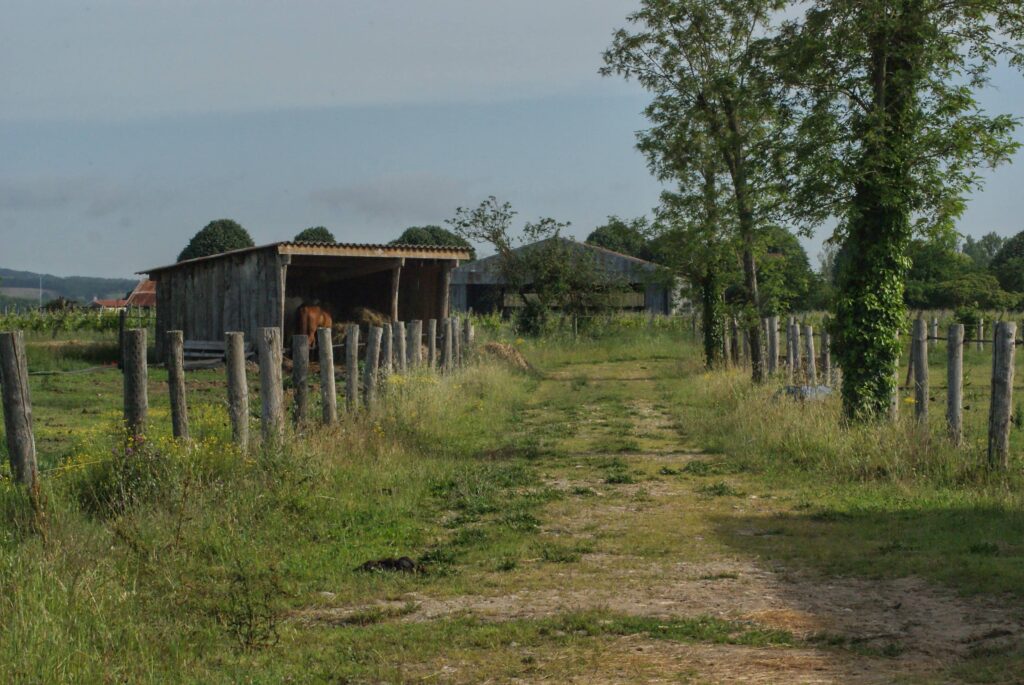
column 25, row 285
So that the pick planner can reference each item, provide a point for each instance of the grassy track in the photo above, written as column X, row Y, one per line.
column 623, row 517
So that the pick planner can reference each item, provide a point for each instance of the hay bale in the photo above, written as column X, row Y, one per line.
column 365, row 317
column 508, row 354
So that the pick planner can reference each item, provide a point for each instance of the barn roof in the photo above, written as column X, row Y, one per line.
column 144, row 294
column 486, row 271
column 336, row 250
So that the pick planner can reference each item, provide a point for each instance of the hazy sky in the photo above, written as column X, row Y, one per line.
column 127, row 126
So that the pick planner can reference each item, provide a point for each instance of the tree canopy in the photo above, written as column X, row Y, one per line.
column 433, row 235
column 315, row 234
column 984, row 249
column 628, row 237
column 217, row 236
column 715, row 114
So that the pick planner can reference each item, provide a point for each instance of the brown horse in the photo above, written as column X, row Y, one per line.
column 310, row 317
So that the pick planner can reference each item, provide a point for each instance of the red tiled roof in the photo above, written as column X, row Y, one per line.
column 109, row 304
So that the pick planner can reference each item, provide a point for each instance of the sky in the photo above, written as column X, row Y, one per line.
column 126, row 126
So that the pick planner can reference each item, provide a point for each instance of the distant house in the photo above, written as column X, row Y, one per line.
column 108, row 304
column 480, row 287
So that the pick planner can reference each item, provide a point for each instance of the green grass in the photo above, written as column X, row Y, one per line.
column 202, row 564
column 875, row 500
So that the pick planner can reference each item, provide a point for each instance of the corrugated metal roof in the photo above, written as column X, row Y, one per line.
column 336, row 249
column 486, row 271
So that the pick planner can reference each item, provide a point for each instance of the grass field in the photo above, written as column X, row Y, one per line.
column 619, row 516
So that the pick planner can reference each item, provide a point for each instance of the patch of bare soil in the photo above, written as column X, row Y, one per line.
column 925, row 625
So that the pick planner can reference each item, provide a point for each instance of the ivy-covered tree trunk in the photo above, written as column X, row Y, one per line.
column 872, row 270
column 711, row 318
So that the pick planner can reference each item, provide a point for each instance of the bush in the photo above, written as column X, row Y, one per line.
column 533, row 319
column 970, row 289
column 217, row 236
column 433, row 235
column 968, row 316
column 315, row 234
column 1008, row 263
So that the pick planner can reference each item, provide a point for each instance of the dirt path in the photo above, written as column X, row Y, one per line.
column 652, row 531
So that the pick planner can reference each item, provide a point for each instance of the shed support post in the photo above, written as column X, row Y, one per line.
column 444, row 294
column 396, row 277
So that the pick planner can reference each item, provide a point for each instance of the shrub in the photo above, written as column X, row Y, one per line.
column 217, row 236
column 433, row 235
column 315, row 234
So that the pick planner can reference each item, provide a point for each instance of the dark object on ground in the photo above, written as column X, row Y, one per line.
column 508, row 354
column 806, row 392
column 401, row 564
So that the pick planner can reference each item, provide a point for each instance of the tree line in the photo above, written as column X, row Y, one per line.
column 857, row 114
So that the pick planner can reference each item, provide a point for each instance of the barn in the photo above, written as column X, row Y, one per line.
column 248, row 289
column 479, row 286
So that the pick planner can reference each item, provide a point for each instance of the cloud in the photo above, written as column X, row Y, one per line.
column 410, row 198
column 89, row 196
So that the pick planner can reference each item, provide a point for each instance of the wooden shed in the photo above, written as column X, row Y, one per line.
column 248, row 289
column 479, row 286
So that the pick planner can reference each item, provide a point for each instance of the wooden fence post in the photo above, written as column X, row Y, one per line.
column 447, row 348
column 271, row 390
column 398, row 327
column 812, row 362
column 432, row 343
column 457, row 342
column 176, row 384
column 238, row 388
column 300, row 377
column 935, row 332
column 955, row 382
column 372, row 364
column 17, row 402
column 121, row 315
column 468, row 335
column 919, row 352
column 1003, row 353
column 352, row 367
column 826, row 357
column 328, row 393
column 414, row 342
column 735, row 343
column 790, row 353
column 797, row 362
column 979, row 345
column 136, row 377
column 387, row 354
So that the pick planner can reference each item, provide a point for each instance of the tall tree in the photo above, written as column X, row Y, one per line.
column 888, row 138
column 697, row 241
column 701, row 59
